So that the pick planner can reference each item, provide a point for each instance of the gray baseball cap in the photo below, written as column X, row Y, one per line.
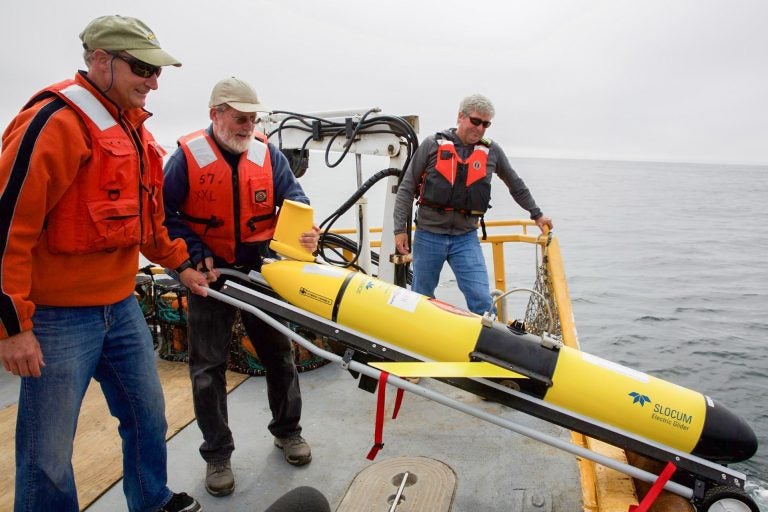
column 131, row 35
column 237, row 94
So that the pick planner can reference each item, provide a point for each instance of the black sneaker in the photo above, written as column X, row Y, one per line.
column 181, row 502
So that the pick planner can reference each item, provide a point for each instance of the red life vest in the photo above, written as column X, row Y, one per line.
column 214, row 209
column 456, row 184
column 103, row 208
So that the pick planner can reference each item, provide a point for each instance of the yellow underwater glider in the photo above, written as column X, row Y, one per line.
column 389, row 328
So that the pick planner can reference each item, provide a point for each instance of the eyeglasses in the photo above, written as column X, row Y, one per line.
column 476, row 121
column 245, row 118
column 139, row 67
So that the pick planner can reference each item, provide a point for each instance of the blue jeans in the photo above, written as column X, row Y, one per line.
column 113, row 345
column 463, row 254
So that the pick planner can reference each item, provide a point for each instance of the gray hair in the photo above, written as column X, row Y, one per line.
column 88, row 57
column 477, row 103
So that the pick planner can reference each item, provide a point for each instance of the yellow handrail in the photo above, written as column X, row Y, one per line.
column 497, row 240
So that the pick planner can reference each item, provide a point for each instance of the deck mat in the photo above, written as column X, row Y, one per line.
column 97, row 458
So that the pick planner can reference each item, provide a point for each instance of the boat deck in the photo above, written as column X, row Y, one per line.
column 496, row 470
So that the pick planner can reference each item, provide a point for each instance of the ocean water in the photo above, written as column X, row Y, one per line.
column 667, row 268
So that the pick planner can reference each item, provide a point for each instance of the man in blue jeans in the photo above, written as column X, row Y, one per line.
column 450, row 175
column 80, row 197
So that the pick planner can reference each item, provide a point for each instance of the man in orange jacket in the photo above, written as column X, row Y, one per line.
column 80, row 197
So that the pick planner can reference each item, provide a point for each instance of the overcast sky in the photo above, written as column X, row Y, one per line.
column 682, row 80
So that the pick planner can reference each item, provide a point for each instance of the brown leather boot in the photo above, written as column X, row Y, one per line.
column 295, row 448
column 219, row 479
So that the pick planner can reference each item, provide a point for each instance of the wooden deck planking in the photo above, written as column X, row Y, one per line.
column 97, row 457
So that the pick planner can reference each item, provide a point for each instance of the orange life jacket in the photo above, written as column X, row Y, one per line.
column 214, row 209
column 456, row 184
column 102, row 210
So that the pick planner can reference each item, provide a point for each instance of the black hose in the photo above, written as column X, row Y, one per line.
column 317, row 126
column 318, row 129
column 327, row 224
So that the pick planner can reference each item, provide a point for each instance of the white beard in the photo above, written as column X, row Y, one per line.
column 232, row 143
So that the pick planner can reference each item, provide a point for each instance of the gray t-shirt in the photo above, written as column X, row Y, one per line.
column 453, row 222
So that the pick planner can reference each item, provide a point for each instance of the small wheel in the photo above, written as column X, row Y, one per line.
column 727, row 498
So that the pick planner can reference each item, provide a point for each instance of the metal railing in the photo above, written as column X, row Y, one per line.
column 499, row 234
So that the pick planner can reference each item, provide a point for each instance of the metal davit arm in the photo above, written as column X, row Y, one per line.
column 356, row 132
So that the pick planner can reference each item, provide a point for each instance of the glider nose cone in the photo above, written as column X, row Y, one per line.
column 726, row 437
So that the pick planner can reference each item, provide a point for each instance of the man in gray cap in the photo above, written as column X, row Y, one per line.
column 81, row 197
column 223, row 187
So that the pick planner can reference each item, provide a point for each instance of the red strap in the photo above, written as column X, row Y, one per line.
column 398, row 402
column 378, row 443
column 655, row 489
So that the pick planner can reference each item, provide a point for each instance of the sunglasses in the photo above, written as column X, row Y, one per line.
column 476, row 121
column 139, row 67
